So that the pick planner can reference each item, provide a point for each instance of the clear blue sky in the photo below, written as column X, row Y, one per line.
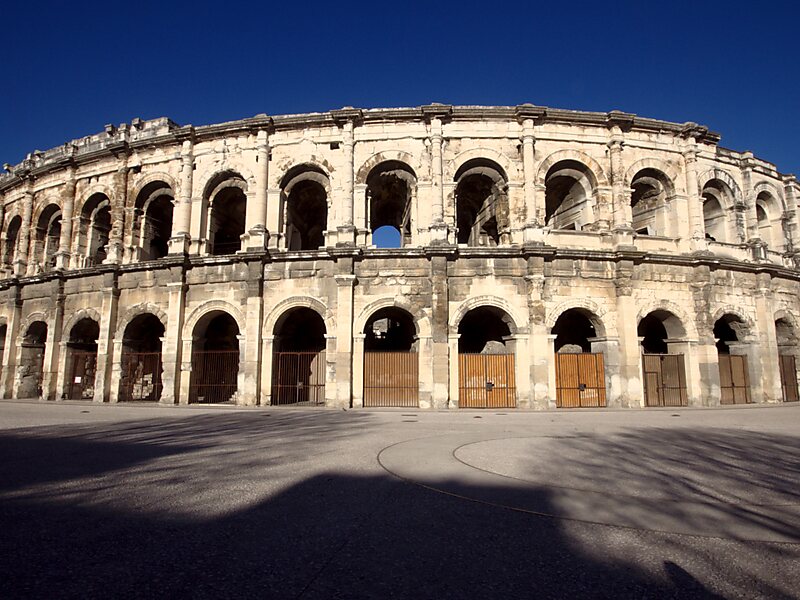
column 71, row 67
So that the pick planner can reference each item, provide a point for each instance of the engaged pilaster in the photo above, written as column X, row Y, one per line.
column 257, row 236
column 21, row 261
column 179, row 242
column 67, row 209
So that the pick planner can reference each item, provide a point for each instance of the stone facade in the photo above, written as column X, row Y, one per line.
column 523, row 231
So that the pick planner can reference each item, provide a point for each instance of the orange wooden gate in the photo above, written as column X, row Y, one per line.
column 580, row 380
column 664, row 380
column 734, row 382
column 788, row 378
column 486, row 381
column 391, row 379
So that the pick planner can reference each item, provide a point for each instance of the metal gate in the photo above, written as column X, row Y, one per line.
column 214, row 375
column 81, row 382
column 391, row 379
column 788, row 370
column 298, row 378
column 580, row 380
column 486, row 381
column 140, row 377
column 734, row 382
column 664, row 380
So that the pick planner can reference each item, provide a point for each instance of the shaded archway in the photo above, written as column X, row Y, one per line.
column 82, row 359
column 11, row 239
column 152, row 226
column 481, row 203
column 718, row 201
column 391, row 359
column 227, row 204
column 30, row 370
column 770, row 224
column 734, row 379
column 47, row 236
column 664, row 372
column 304, row 196
column 140, row 367
column 298, row 368
column 94, row 230
column 215, row 359
column 788, row 350
column 391, row 189
column 580, row 374
column 569, row 186
column 3, row 333
column 651, row 191
column 486, row 359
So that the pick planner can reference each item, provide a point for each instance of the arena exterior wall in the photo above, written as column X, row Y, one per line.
column 236, row 263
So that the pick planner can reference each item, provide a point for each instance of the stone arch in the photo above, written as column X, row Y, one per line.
column 387, row 156
column 421, row 322
column 480, row 200
column 670, row 173
column 599, row 178
column 788, row 316
column 136, row 310
column 593, row 311
column 144, row 180
column 223, row 179
column 208, row 307
column 305, row 203
column 307, row 169
column 30, row 320
column 725, row 177
column 97, row 188
column 84, row 313
column 508, row 169
column 773, row 190
column 42, row 205
column 293, row 302
column 688, row 326
column 737, row 312
column 516, row 319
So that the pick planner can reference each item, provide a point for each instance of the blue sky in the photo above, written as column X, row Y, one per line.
column 71, row 67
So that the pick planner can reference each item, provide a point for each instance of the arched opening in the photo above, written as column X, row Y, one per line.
column 140, row 368
column 650, row 194
column 391, row 188
column 305, row 201
column 3, row 333
column 391, row 359
column 788, row 349
column 734, row 378
column 94, row 230
column 569, row 186
column 717, row 198
column 30, row 371
column 770, row 225
column 82, row 359
column 580, row 374
column 10, row 245
column 47, row 236
column 481, row 204
column 228, row 203
column 298, row 368
column 664, row 372
column 152, row 224
column 486, row 359
column 215, row 359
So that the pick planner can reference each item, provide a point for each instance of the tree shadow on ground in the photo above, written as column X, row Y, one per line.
column 327, row 535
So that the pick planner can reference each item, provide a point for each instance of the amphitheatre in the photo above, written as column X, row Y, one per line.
column 433, row 257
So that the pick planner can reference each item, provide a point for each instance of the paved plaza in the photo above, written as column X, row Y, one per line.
column 149, row 501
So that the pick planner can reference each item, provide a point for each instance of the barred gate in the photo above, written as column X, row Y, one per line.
column 81, row 381
column 298, row 378
column 391, row 379
column 486, row 381
column 580, row 380
column 664, row 380
column 734, row 381
column 214, row 375
column 788, row 370
column 140, row 377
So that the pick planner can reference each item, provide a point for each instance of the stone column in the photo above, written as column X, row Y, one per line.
column 267, row 345
column 532, row 210
column 345, row 282
column 621, row 201
column 251, row 345
column 694, row 229
column 438, row 228
column 67, row 209
column 345, row 231
column 704, row 362
column 452, row 350
column 24, row 235
column 9, row 350
column 358, row 369
column 172, row 345
column 440, row 318
column 119, row 202
column 53, row 372
column 751, row 216
column 116, row 371
column 108, row 324
column 185, row 379
column 609, row 348
column 257, row 212
column 630, row 384
column 179, row 240
column 767, row 342
column 62, row 383
column 791, row 212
